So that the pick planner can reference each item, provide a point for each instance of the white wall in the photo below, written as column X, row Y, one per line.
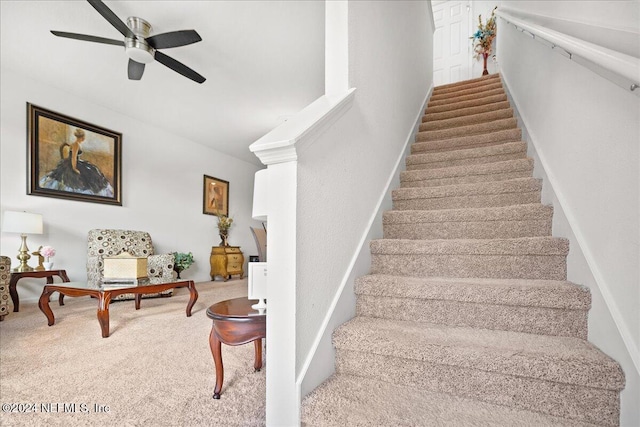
column 161, row 181
column 343, row 175
column 586, row 133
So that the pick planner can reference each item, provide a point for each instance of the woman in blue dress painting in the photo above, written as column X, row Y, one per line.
column 73, row 174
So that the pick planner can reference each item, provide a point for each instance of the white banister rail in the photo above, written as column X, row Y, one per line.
column 625, row 68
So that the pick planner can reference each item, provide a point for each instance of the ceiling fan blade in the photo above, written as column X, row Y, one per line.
column 173, row 39
column 178, row 67
column 88, row 38
column 112, row 18
column 135, row 70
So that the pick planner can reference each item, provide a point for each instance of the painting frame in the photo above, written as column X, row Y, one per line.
column 209, row 196
column 71, row 159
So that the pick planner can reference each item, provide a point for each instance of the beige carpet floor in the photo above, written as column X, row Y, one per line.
column 155, row 369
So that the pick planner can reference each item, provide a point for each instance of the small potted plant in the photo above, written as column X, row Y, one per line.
column 47, row 252
column 182, row 261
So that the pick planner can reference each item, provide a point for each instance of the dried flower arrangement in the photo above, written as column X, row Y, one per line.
column 224, row 223
column 483, row 38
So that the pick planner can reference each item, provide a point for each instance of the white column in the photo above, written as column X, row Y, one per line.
column 283, row 400
column 336, row 67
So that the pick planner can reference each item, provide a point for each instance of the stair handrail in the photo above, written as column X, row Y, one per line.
column 618, row 63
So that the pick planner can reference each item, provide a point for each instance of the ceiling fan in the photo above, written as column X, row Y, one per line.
column 141, row 47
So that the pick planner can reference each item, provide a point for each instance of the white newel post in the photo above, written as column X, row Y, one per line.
column 282, row 395
column 278, row 150
column 282, row 390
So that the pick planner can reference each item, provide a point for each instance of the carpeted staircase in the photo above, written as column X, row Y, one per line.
column 467, row 318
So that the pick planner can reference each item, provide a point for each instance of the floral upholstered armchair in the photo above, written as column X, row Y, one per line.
column 5, row 277
column 103, row 243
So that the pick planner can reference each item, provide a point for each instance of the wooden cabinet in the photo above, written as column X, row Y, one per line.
column 235, row 261
column 226, row 261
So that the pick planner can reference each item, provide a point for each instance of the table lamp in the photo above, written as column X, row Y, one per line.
column 23, row 223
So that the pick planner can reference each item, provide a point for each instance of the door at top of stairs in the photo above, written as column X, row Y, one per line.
column 451, row 44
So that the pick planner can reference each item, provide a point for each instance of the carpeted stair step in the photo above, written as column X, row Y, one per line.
column 478, row 90
column 466, row 84
column 488, row 116
column 522, row 258
column 459, row 99
column 468, row 156
column 440, row 91
column 354, row 401
column 473, row 129
column 432, row 109
column 462, row 142
column 480, row 223
column 467, row 174
column 560, row 376
column 429, row 117
column 546, row 307
column 478, row 195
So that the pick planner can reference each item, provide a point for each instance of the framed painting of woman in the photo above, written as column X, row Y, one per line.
column 216, row 196
column 72, row 159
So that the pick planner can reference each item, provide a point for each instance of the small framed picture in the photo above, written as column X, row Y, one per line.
column 72, row 159
column 215, row 196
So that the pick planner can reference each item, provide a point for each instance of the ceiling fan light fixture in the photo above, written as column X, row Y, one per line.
column 139, row 51
column 137, row 48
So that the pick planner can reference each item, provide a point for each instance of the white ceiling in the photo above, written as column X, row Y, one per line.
column 263, row 60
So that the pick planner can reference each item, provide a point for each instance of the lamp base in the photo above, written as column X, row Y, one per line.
column 261, row 305
column 23, row 256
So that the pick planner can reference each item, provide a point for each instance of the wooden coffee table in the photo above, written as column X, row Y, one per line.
column 235, row 323
column 105, row 294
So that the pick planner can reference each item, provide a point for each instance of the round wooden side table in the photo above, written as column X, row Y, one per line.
column 235, row 323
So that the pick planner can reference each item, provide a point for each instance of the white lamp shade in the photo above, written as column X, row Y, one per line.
column 22, row 222
column 260, row 195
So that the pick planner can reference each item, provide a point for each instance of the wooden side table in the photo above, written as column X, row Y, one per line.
column 235, row 323
column 226, row 261
column 49, row 274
